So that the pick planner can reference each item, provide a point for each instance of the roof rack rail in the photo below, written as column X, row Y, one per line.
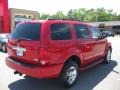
column 54, row 19
column 62, row 19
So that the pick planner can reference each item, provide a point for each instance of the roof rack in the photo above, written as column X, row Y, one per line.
column 55, row 19
column 61, row 19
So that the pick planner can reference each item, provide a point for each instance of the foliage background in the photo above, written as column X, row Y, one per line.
column 84, row 15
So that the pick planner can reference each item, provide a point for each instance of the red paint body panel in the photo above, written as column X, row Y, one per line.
column 37, row 72
column 31, row 47
column 55, row 52
column 4, row 15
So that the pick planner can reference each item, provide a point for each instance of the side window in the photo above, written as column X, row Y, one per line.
column 95, row 32
column 60, row 31
column 81, row 31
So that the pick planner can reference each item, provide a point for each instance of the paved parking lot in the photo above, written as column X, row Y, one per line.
column 100, row 77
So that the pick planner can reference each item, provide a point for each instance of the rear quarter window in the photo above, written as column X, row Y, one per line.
column 60, row 31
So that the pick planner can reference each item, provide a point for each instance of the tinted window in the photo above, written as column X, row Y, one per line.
column 27, row 31
column 81, row 31
column 60, row 31
column 96, row 33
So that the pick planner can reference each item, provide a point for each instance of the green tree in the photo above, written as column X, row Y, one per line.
column 59, row 15
column 44, row 16
column 77, row 14
column 82, row 14
column 118, row 17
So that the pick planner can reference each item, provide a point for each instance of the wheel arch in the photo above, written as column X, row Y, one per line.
column 74, row 58
column 107, row 47
column 71, row 58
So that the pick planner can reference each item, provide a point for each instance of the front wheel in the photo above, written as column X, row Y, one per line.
column 69, row 74
column 108, row 56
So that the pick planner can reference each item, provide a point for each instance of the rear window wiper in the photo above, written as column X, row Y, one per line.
column 23, row 39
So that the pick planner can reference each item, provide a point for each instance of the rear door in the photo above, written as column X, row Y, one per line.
column 60, row 41
column 99, row 42
column 24, row 42
column 84, row 42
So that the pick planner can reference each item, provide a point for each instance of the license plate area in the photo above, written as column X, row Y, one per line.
column 19, row 50
column 19, row 53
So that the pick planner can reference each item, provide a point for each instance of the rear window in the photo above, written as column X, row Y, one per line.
column 27, row 31
column 60, row 31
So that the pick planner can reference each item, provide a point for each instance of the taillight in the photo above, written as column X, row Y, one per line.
column 43, row 57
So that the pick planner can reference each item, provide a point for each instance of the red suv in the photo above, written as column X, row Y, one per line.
column 56, row 48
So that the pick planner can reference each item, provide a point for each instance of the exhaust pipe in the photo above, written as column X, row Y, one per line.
column 16, row 72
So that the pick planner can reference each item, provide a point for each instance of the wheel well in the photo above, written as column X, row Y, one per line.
column 110, row 47
column 75, row 59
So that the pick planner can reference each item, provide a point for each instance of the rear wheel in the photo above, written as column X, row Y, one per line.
column 108, row 56
column 69, row 74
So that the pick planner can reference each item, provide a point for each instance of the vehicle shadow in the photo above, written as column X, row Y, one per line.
column 87, row 80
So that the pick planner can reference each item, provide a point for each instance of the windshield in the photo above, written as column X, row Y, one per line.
column 27, row 31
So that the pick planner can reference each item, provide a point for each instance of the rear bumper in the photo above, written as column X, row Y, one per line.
column 35, row 71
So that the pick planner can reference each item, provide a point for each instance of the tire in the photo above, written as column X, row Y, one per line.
column 4, row 48
column 69, row 74
column 107, row 57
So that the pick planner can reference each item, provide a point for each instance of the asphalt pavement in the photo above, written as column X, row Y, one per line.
column 100, row 77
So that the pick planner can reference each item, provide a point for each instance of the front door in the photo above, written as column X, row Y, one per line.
column 99, row 43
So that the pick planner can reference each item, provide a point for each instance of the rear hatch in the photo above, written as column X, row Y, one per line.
column 24, row 42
